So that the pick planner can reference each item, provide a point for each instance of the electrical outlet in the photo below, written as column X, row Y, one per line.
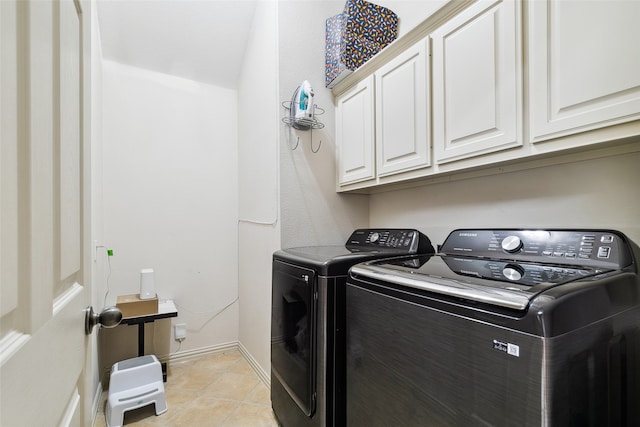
column 96, row 245
column 180, row 331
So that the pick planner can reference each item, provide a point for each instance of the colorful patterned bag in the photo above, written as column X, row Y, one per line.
column 354, row 36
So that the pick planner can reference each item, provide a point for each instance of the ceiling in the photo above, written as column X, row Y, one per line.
column 201, row 40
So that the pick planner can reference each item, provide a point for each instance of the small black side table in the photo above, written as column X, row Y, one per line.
column 166, row 309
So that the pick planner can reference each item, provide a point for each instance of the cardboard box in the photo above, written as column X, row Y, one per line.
column 132, row 305
column 355, row 36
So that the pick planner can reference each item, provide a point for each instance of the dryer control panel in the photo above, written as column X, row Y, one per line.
column 601, row 248
column 394, row 240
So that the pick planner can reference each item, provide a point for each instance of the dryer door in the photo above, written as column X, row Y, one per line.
column 293, row 332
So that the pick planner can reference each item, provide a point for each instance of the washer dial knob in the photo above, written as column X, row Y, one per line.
column 512, row 244
column 374, row 237
column 513, row 272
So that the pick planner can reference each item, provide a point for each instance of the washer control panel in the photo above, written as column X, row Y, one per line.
column 581, row 247
column 406, row 241
column 521, row 273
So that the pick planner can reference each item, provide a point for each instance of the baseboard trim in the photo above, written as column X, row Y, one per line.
column 220, row 348
column 264, row 376
column 198, row 352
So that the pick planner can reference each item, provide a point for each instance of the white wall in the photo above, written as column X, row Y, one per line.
column 170, row 203
column 601, row 193
column 259, row 227
column 312, row 212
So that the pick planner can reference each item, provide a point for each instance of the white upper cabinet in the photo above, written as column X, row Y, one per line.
column 584, row 65
column 486, row 82
column 355, row 133
column 402, row 112
column 477, row 82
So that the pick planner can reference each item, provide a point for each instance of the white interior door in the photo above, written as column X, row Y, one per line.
column 43, row 215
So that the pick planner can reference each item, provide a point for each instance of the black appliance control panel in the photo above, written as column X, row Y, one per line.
column 598, row 248
column 528, row 274
column 395, row 240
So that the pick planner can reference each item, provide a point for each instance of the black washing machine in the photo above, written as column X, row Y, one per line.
column 307, row 322
column 501, row 327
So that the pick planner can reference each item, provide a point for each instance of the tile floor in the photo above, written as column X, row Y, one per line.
column 219, row 390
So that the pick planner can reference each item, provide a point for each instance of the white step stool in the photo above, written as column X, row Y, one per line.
column 135, row 383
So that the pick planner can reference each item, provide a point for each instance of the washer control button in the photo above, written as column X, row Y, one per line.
column 512, row 244
column 513, row 272
column 604, row 251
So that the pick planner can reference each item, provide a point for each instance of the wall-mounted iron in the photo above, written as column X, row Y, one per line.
column 302, row 112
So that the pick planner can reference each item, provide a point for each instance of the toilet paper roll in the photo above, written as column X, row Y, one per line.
column 147, row 285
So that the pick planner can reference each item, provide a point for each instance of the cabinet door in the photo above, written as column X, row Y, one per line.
column 355, row 134
column 402, row 112
column 584, row 65
column 477, row 82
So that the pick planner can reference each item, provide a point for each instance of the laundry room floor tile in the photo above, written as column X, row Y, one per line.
column 214, row 390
